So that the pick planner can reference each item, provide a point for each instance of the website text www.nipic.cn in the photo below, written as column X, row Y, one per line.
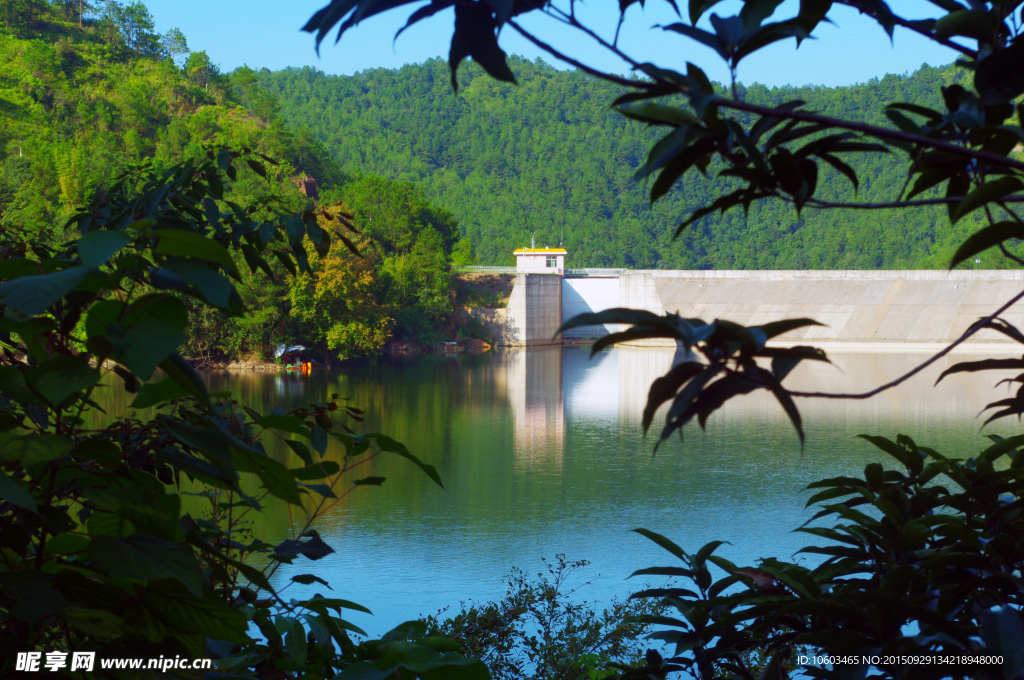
column 32, row 662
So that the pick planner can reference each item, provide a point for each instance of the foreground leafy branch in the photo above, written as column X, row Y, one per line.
column 97, row 550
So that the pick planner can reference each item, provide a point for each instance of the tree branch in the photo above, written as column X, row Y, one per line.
column 807, row 116
column 619, row 80
column 943, row 200
column 909, row 25
column 977, row 326
column 872, row 130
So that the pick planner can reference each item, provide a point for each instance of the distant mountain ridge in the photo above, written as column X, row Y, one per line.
column 548, row 156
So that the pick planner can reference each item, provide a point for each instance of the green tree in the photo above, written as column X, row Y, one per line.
column 136, row 24
column 253, row 95
column 414, row 239
column 111, row 20
column 338, row 301
column 200, row 69
column 174, row 44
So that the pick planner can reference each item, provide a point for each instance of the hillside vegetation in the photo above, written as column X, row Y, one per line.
column 548, row 156
column 84, row 101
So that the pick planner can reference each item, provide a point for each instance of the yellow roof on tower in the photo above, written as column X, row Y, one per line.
column 527, row 251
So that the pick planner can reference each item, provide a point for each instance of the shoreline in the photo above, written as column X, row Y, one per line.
column 396, row 349
column 409, row 350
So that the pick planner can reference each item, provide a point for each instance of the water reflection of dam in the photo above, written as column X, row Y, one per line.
column 534, row 380
column 552, row 385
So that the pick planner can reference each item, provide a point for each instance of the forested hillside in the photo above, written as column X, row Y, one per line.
column 84, row 99
column 548, row 156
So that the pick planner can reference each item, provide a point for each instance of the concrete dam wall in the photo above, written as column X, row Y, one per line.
column 855, row 306
column 864, row 308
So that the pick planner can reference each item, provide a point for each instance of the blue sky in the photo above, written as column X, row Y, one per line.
column 265, row 33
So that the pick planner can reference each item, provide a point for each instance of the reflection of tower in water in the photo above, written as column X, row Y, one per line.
column 535, row 394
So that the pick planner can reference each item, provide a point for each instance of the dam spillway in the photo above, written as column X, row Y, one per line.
column 860, row 309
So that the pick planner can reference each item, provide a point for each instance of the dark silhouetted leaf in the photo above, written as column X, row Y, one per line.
column 986, row 238
column 475, row 37
column 33, row 295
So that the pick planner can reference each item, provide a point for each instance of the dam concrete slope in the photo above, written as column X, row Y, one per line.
column 854, row 306
column 860, row 309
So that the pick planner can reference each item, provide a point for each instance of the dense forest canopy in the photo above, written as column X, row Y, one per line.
column 88, row 96
column 549, row 156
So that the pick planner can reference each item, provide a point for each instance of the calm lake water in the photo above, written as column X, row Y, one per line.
column 541, row 452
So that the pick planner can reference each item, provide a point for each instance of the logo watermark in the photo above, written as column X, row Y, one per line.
column 40, row 662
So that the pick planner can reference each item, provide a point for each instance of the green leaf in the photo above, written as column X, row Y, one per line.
column 98, row 623
column 301, row 450
column 161, row 306
column 986, row 193
column 67, row 544
column 15, row 493
column 704, row 37
column 659, row 114
column 786, row 402
column 322, row 604
column 294, row 638
column 983, row 365
column 146, row 557
column 318, row 440
column 286, row 261
column 253, row 259
column 321, row 470
column 999, row 77
column 475, row 37
column 769, row 34
column 145, row 345
column 214, row 444
column 12, row 384
column 292, row 424
column 699, row 7
column 680, row 163
column 912, row 460
column 257, row 167
column 34, row 448
column 33, row 295
column 210, row 616
column 306, row 579
column 57, row 379
column 390, row 445
column 370, row 481
column 182, row 372
column 212, row 217
column 216, row 288
column 275, row 477
column 976, row 24
column 109, row 524
column 153, row 393
column 665, row 388
column 321, row 489
column 986, row 238
column 314, row 548
column 96, row 247
column 664, row 543
column 296, row 230
column 663, row 151
column 775, row 328
column 615, row 315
